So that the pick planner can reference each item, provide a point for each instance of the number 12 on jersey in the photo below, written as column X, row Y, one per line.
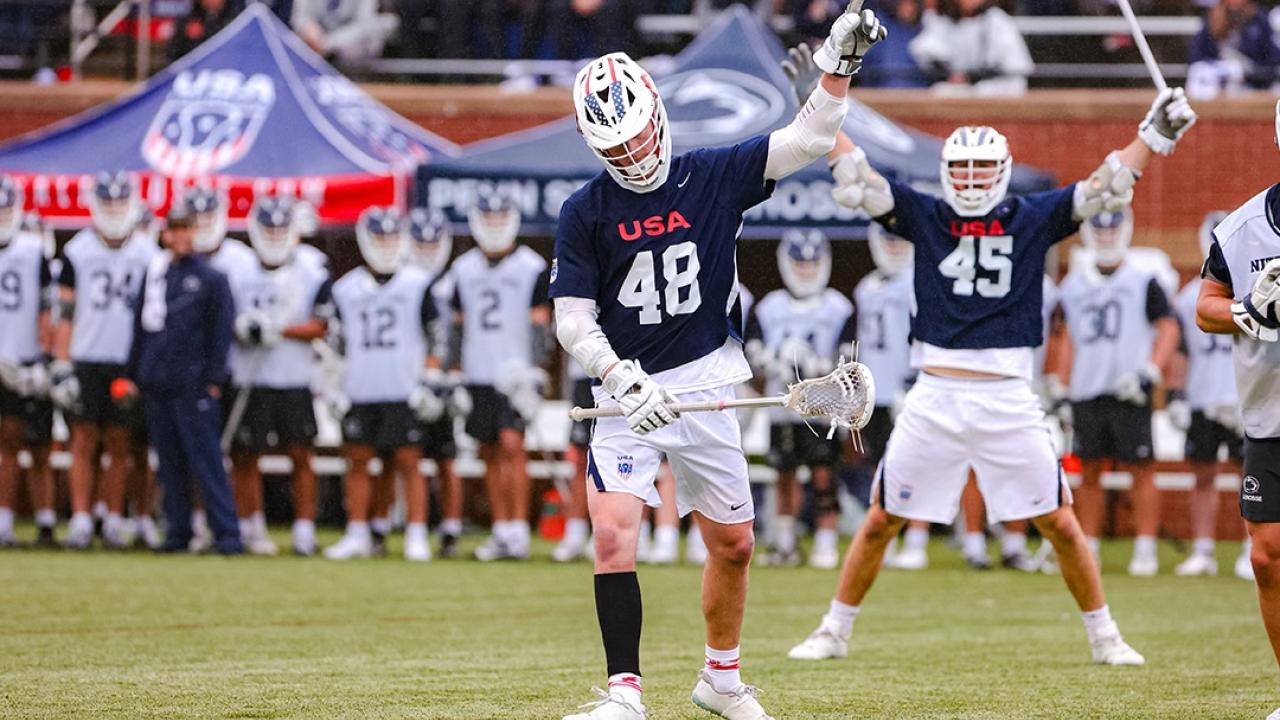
column 990, row 253
column 640, row 288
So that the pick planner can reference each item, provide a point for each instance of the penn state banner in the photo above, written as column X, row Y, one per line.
column 252, row 111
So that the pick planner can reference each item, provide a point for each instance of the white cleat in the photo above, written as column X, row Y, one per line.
column 569, row 551
column 1244, row 569
column 417, row 549
column 1144, row 566
column 695, row 551
column 261, row 545
column 1197, row 564
column 1111, row 649
column 664, row 554
column 825, row 559
column 822, row 644
column 741, row 704
column 350, row 546
column 908, row 559
column 304, row 546
column 609, row 707
column 1274, row 716
column 80, row 532
column 495, row 549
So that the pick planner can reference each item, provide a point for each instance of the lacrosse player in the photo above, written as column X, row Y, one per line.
column 101, row 276
column 1240, row 296
column 646, row 295
column 1123, row 336
column 803, row 329
column 1206, row 408
column 26, row 415
column 978, row 275
column 385, row 312
column 500, row 305
column 277, row 302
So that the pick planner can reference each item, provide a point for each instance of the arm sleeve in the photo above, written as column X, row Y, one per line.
column 575, row 269
column 1157, row 302
column 1215, row 266
column 220, row 317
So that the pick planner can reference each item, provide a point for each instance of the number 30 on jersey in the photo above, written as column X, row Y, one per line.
column 989, row 253
column 640, row 288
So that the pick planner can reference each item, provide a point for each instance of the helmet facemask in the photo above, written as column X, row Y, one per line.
column 621, row 116
column 494, row 224
column 274, row 230
column 382, row 240
column 976, row 168
column 431, row 241
column 210, row 213
column 1107, row 236
column 115, row 207
column 890, row 253
column 804, row 261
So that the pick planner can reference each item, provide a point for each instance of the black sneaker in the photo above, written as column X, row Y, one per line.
column 379, row 544
column 45, row 539
column 448, row 547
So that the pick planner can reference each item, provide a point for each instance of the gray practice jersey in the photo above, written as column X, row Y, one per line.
column 24, row 280
column 384, row 332
column 287, row 296
column 1243, row 244
column 1111, row 320
column 1210, row 377
column 495, row 300
column 884, row 331
column 107, row 282
column 781, row 321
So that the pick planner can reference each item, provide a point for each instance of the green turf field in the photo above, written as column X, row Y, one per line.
column 133, row 636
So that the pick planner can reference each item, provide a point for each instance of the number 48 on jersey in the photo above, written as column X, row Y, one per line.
column 640, row 288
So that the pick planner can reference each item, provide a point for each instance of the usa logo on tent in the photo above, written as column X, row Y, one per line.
column 209, row 120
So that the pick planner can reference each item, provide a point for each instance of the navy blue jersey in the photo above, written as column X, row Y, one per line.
column 662, row 265
column 979, row 281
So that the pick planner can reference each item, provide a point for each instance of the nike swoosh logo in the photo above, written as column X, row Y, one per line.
column 736, row 508
column 685, row 180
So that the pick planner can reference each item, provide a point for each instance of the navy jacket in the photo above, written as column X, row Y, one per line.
column 190, row 353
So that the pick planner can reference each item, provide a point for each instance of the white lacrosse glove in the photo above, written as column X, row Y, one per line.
column 524, row 391
column 1136, row 387
column 1227, row 416
column 1179, row 414
column 852, row 35
column 859, row 186
column 254, row 328
column 645, row 402
column 460, row 404
column 425, row 398
column 64, row 387
column 801, row 72
column 35, row 381
column 1169, row 118
column 337, row 402
column 1108, row 189
column 1257, row 313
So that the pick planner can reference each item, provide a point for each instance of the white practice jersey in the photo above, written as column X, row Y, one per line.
column 107, row 282
column 384, row 332
column 884, row 331
column 1111, row 320
column 1211, row 379
column 787, row 324
column 288, row 295
column 1243, row 245
column 495, row 301
column 232, row 257
column 24, row 279
column 312, row 256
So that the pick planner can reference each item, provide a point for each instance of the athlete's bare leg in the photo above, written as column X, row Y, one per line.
column 866, row 552
column 724, row 579
column 1079, row 570
column 1265, row 556
column 84, row 454
column 246, row 483
column 406, row 463
column 304, row 482
column 1089, row 498
column 357, row 488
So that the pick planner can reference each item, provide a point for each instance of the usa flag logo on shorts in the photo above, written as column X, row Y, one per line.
column 626, row 464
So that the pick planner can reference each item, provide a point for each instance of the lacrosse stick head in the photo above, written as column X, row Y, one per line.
column 846, row 396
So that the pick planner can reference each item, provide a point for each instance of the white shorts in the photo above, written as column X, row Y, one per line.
column 704, row 449
column 949, row 426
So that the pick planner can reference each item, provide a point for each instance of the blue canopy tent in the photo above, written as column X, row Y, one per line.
column 723, row 88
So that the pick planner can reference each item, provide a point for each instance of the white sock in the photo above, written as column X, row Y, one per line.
column 113, row 524
column 916, row 538
column 304, row 530
column 1013, row 544
column 666, row 537
column 357, row 529
column 1098, row 623
column 723, row 669
column 81, row 521
column 146, row 524
column 784, row 533
column 6, row 521
column 260, row 524
column 1144, row 546
column 626, row 687
column 646, row 531
column 1095, row 545
column 1203, row 546
column 415, row 532
column 246, row 528
column 100, row 509
column 46, row 518
column 380, row 525
column 825, row 539
column 451, row 526
column 975, row 544
column 839, row 618
column 200, row 522
column 522, row 531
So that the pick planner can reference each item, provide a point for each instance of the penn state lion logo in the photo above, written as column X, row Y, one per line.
column 209, row 120
column 714, row 106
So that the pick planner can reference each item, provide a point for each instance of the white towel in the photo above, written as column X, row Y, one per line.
column 154, row 309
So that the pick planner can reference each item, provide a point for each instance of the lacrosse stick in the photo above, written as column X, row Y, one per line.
column 1144, row 49
column 845, row 396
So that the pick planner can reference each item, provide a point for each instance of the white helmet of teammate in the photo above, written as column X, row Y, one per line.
column 890, row 253
column 209, row 208
column 1210, row 222
column 11, row 201
column 115, row 206
column 430, row 239
column 976, row 166
column 380, row 233
column 275, row 228
column 804, row 260
column 1107, row 235
column 495, row 222
column 623, row 120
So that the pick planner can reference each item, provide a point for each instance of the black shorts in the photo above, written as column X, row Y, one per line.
column 1260, row 488
column 437, row 439
column 1206, row 436
column 875, row 436
column 491, row 413
column 580, row 433
column 1106, row 427
column 382, row 426
column 276, row 418
column 96, row 406
column 36, row 415
column 793, row 445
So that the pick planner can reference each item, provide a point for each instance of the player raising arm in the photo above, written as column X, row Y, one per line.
column 979, row 267
column 646, row 298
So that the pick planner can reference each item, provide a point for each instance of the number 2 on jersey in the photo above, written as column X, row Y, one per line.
column 640, row 288
column 990, row 253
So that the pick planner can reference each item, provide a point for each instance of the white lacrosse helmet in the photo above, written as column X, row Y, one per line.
column 976, row 166
column 382, row 240
column 115, row 206
column 11, row 201
column 889, row 252
column 623, row 120
column 430, row 239
column 494, row 223
column 804, row 260
column 1107, row 235
column 275, row 228
column 1210, row 222
column 209, row 208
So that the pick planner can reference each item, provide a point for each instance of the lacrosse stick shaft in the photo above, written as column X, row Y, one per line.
column 579, row 413
column 1143, row 48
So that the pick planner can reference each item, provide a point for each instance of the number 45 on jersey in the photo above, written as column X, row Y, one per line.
column 990, row 253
